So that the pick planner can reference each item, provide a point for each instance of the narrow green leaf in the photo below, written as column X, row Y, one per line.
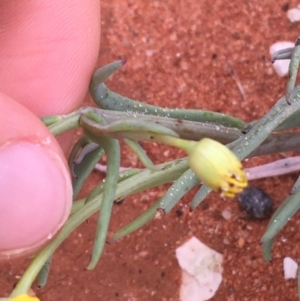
column 283, row 54
column 78, row 145
column 178, row 189
column 42, row 277
column 102, row 74
column 113, row 153
column 49, row 120
column 289, row 208
column 121, row 177
column 109, row 100
column 84, row 168
column 267, row 244
column 141, row 154
column 201, row 194
column 112, row 150
column 137, row 223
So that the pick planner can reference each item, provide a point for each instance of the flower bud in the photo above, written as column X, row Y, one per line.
column 217, row 167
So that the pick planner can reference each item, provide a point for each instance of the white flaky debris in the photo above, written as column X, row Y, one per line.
column 293, row 14
column 201, row 270
column 281, row 66
column 290, row 268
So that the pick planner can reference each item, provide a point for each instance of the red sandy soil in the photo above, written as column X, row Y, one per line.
column 185, row 54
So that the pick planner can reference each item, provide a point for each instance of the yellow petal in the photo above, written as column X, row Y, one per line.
column 25, row 297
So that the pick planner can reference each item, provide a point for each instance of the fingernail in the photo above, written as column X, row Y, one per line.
column 36, row 196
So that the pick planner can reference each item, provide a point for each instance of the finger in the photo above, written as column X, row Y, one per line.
column 48, row 52
column 35, row 186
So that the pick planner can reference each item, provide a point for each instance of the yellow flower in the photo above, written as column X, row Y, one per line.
column 213, row 163
column 217, row 167
column 25, row 297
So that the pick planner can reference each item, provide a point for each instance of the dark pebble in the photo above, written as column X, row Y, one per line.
column 256, row 202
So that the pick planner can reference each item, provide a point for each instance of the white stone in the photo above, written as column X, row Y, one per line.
column 293, row 14
column 281, row 66
column 201, row 270
column 290, row 268
column 226, row 214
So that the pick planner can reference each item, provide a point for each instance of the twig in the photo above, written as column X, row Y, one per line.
column 235, row 77
column 276, row 168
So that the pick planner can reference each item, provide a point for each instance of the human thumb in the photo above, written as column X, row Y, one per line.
column 35, row 185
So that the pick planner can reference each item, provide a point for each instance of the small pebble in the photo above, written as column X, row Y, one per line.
column 290, row 268
column 143, row 253
column 281, row 66
column 226, row 241
column 201, row 271
column 293, row 14
column 226, row 214
column 256, row 202
column 241, row 242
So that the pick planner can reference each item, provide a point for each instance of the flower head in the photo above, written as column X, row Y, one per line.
column 217, row 167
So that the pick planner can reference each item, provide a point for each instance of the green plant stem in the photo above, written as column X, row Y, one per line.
column 191, row 130
column 78, row 205
column 146, row 179
column 123, row 129
column 186, row 129
column 109, row 100
column 261, row 130
column 68, row 122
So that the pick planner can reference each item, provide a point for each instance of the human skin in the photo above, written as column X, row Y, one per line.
column 49, row 50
